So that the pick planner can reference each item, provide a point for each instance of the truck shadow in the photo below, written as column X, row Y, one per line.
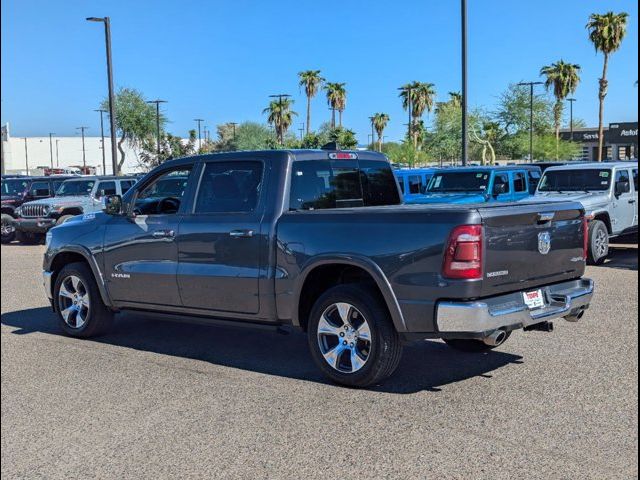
column 427, row 365
column 624, row 257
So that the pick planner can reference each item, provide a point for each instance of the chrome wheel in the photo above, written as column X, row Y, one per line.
column 73, row 301
column 602, row 243
column 7, row 229
column 344, row 337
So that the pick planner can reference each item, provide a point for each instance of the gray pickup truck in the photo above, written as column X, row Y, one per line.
column 607, row 191
column 319, row 240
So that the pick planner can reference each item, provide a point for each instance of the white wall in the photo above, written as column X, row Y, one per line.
column 69, row 154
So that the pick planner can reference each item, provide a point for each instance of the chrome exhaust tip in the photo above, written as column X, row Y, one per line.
column 495, row 339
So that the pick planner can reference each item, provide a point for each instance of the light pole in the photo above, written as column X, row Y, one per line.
column 301, row 130
column 280, row 96
column 58, row 156
column 84, row 158
column 112, row 115
column 530, row 85
column 234, row 124
column 199, row 121
column 571, row 100
column 51, row 148
column 104, row 161
column 157, row 102
column 465, row 127
column 26, row 155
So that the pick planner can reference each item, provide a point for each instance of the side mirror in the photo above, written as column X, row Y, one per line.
column 499, row 189
column 622, row 187
column 112, row 204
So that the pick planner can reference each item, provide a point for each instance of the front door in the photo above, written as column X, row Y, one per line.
column 501, row 194
column 140, row 252
column 624, row 209
column 221, row 243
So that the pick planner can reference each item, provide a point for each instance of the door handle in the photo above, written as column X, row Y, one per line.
column 241, row 233
column 163, row 234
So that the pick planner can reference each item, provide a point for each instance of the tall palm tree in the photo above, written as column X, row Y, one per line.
column 311, row 81
column 280, row 116
column 337, row 100
column 606, row 32
column 563, row 78
column 455, row 98
column 380, row 121
column 417, row 97
column 406, row 91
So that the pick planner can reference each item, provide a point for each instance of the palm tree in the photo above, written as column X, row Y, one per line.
column 280, row 116
column 417, row 97
column 337, row 100
column 606, row 32
column 455, row 98
column 563, row 78
column 380, row 121
column 311, row 81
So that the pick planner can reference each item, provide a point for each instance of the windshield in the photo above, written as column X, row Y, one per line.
column 585, row 180
column 14, row 186
column 477, row 182
column 75, row 188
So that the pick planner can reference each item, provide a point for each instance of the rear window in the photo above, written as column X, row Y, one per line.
column 459, row 182
column 322, row 184
column 584, row 180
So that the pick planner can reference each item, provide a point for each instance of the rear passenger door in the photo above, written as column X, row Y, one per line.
column 221, row 243
column 624, row 205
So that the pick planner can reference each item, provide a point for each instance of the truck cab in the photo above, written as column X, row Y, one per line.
column 466, row 185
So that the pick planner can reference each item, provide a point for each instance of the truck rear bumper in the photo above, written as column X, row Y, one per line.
column 510, row 311
column 34, row 225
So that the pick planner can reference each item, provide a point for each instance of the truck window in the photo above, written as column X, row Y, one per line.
column 502, row 179
column 635, row 179
column 448, row 182
column 519, row 182
column 415, row 184
column 534, row 180
column 40, row 189
column 125, row 185
column 575, row 180
column 229, row 187
column 322, row 184
column 106, row 188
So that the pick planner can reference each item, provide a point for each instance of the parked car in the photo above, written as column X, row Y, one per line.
column 319, row 240
column 479, row 185
column 18, row 190
column 607, row 191
column 76, row 196
column 413, row 181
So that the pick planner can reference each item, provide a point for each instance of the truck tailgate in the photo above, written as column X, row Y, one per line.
column 517, row 238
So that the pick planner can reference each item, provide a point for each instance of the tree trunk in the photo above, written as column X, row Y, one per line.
column 122, row 154
column 601, row 95
column 557, row 113
column 308, row 114
column 380, row 141
column 340, row 118
column 333, row 117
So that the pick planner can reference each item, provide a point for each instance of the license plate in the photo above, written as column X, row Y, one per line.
column 534, row 299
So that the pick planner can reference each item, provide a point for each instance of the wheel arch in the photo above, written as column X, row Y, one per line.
column 322, row 273
column 605, row 218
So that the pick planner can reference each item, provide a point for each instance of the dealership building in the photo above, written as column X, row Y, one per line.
column 620, row 141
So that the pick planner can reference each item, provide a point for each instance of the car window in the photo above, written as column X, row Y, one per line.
column 125, row 185
column 415, row 184
column 75, row 187
column 502, row 178
column 622, row 176
column 163, row 195
column 323, row 184
column 40, row 189
column 106, row 188
column 519, row 182
column 635, row 179
column 12, row 186
column 229, row 187
column 534, row 180
column 588, row 180
column 450, row 182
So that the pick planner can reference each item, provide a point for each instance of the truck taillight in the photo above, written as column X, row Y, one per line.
column 463, row 256
column 585, row 239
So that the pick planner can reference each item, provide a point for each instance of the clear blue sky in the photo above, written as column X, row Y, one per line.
column 219, row 60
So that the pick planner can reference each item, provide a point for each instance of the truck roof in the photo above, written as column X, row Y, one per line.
column 524, row 166
column 98, row 177
column 593, row 166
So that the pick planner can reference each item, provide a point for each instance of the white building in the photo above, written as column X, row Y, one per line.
column 67, row 153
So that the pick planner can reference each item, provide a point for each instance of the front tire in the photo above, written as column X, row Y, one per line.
column 8, row 229
column 352, row 338
column 598, row 243
column 79, row 307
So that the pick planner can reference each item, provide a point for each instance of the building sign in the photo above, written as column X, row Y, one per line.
column 582, row 136
column 622, row 133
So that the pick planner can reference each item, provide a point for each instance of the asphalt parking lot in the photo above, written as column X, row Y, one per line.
column 161, row 399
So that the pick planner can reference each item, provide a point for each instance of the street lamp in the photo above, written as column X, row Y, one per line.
column 530, row 85
column 51, row 148
column 84, row 158
column 571, row 100
column 112, row 115
column 104, row 161
column 280, row 96
column 157, row 102
column 26, row 156
column 199, row 120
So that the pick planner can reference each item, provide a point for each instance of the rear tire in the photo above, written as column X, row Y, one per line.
column 79, row 307
column 598, row 243
column 473, row 346
column 351, row 337
column 8, row 230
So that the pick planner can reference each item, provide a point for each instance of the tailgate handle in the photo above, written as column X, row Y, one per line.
column 546, row 217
